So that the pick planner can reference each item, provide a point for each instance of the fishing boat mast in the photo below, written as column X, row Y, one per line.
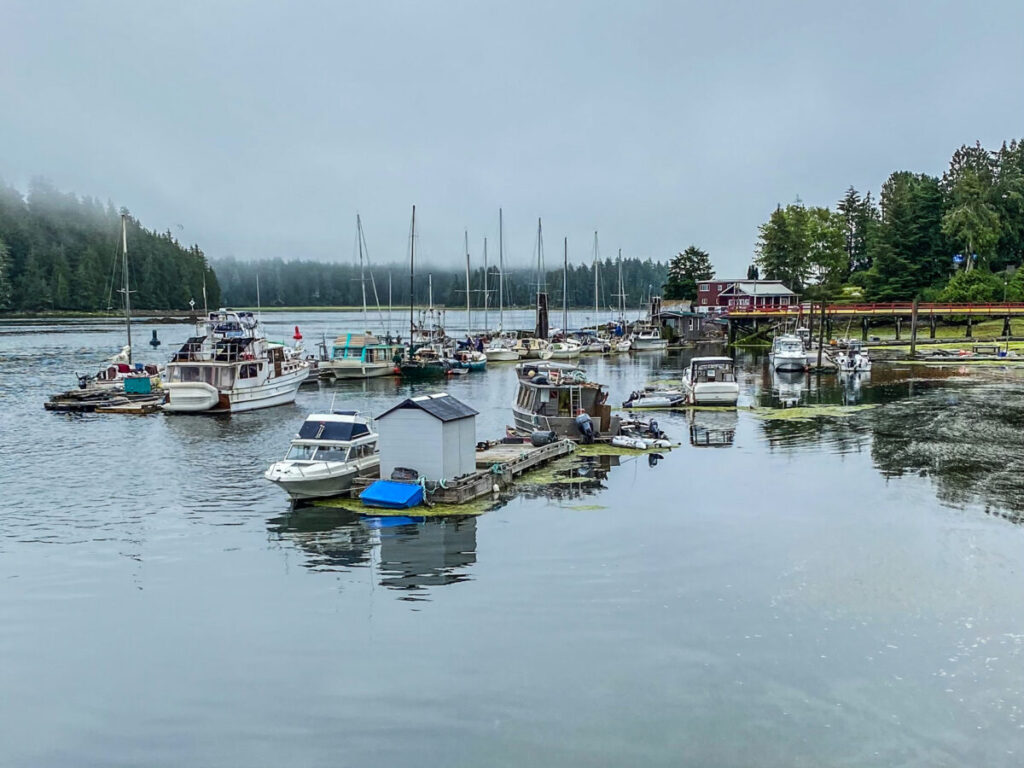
column 469, row 318
column 127, row 293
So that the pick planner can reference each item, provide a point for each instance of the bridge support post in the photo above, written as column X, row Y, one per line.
column 821, row 334
column 899, row 326
column 828, row 325
column 970, row 333
column 913, row 330
column 864, row 329
column 931, row 326
column 731, row 325
column 1007, row 330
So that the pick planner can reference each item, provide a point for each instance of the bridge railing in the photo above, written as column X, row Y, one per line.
column 903, row 308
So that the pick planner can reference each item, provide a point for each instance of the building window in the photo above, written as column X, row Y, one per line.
column 704, row 300
column 784, row 300
column 704, row 286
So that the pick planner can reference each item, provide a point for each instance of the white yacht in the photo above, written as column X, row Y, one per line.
column 328, row 453
column 530, row 348
column 501, row 349
column 788, row 353
column 646, row 337
column 711, row 381
column 231, row 368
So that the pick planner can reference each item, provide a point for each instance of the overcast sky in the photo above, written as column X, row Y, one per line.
column 260, row 129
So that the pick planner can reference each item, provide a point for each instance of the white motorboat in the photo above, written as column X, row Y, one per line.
column 853, row 359
column 655, row 398
column 530, row 348
column 501, row 349
column 561, row 350
column 622, row 345
column 231, row 368
column 788, row 353
column 329, row 452
column 711, row 381
column 360, row 356
column 646, row 338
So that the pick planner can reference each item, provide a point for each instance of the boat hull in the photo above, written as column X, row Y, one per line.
column 317, row 485
column 790, row 363
column 501, row 355
column 717, row 393
column 649, row 345
column 200, row 397
column 361, row 371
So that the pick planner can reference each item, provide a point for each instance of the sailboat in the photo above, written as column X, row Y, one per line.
column 592, row 342
column 566, row 348
column 361, row 355
column 423, row 362
column 533, row 347
column 624, row 343
column 121, row 372
column 501, row 348
column 467, row 358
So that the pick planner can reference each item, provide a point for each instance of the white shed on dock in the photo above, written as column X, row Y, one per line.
column 433, row 435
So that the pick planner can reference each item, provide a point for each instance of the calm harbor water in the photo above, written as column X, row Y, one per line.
column 843, row 590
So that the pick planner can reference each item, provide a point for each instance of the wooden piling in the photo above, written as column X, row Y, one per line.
column 970, row 331
column 913, row 328
column 931, row 326
column 899, row 326
column 821, row 333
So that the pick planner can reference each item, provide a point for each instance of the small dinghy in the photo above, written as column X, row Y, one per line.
column 656, row 398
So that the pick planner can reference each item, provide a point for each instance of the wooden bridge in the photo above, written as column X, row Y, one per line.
column 920, row 312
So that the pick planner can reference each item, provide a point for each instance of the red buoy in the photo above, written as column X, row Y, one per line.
column 297, row 336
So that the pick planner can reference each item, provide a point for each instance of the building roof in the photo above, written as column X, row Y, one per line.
column 759, row 288
column 441, row 406
column 720, row 280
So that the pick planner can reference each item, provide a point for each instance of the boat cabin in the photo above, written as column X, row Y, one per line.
column 704, row 370
column 551, row 395
column 337, row 436
column 364, row 348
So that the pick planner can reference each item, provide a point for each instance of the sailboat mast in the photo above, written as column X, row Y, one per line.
column 127, row 293
column 565, row 286
column 487, row 327
column 622, row 294
column 362, row 272
column 596, row 311
column 501, row 273
column 469, row 321
column 389, row 304
column 412, row 263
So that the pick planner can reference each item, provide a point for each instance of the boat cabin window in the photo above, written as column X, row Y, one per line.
column 226, row 378
column 331, row 453
column 301, row 452
column 249, row 371
column 714, row 372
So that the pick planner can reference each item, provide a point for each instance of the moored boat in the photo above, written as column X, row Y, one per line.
column 788, row 353
column 360, row 356
column 711, row 381
column 559, row 398
column 231, row 368
column 647, row 338
column 328, row 453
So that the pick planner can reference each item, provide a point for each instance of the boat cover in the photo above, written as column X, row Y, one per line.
column 392, row 495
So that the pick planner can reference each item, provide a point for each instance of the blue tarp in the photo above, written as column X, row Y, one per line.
column 392, row 495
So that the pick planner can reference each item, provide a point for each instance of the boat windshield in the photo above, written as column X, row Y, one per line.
column 301, row 453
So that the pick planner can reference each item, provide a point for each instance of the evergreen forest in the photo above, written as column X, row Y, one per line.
column 61, row 252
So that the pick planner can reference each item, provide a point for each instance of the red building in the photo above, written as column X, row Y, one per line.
column 719, row 295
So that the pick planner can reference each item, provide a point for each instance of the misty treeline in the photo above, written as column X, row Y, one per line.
column 62, row 252
column 957, row 238
column 316, row 283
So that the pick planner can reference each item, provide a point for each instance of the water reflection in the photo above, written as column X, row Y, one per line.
column 712, row 428
column 407, row 554
column 852, row 384
column 584, row 476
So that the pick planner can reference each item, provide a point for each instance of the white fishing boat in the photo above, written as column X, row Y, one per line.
column 530, row 348
column 360, row 356
column 561, row 350
column 788, row 353
column 647, row 338
column 328, row 453
column 622, row 345
column 231, row 368
column 853, row 359
column 711, row 381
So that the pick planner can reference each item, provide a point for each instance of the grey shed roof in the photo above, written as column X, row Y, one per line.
column 441, row 406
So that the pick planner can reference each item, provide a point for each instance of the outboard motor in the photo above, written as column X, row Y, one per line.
column 654, row 431
column 586, row 427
